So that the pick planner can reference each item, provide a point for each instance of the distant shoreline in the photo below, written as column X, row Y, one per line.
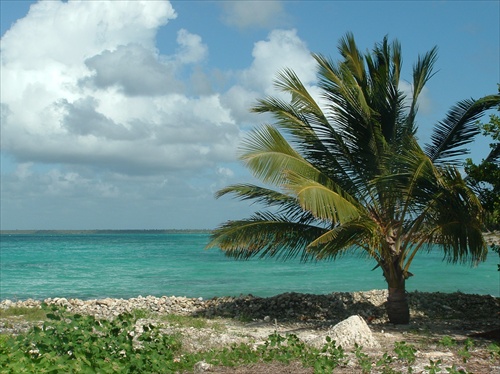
column 491, row 238
column 80, row 232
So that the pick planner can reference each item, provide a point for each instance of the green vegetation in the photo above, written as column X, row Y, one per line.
column 195, row 322
column 485, row 176
column 348, row 174
column 447, row 341
column 27, row 314
column 494, row 350
column 76, row 343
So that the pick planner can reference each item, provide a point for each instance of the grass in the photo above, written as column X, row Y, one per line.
column 178, row 320
column 188, row 321
column 25, row 313
column 142, row 313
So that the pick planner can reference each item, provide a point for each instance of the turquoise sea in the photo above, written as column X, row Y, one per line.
column 124, row 264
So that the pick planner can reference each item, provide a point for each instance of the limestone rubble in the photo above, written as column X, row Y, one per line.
column 331, row 308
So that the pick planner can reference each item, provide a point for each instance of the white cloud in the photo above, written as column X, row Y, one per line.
column 69, row 32
column 23, row 170
column 110, row 100
column 191, row 47
column 133, row 69
column 225, row 172
column 91, row 110
column 282, row 49
column 54, row 182
column 424, row 100
column 200, row 82
column 244, row 14
column 240, row 99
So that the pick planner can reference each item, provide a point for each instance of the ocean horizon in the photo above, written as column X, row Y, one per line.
column 93, row 264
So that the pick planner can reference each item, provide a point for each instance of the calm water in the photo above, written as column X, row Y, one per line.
column 126, row 265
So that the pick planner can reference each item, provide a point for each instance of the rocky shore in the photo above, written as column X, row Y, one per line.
column 289, row 307
column 492, row 238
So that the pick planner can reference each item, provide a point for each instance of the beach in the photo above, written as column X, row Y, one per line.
column 250, row 319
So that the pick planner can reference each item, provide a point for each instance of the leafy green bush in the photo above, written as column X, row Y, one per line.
column 363, row 359
column 447, row 341
column 83, row 344
column 494, row 350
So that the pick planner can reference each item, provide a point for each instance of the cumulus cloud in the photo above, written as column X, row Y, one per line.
column 244, row 14
column 191, row 47
column 239, row 99
column 92, row 111
column 133, row 69
column 26, row 182
column 82, row 119
column 282, row 49
column 201, row 83
column 100, row 93
column 69, row 32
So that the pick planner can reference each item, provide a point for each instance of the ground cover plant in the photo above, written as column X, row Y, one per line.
column 66, row 342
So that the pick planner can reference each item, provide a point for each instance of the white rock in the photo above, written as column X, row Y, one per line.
column 353, row 330
column 201, row 367
column 436, row 354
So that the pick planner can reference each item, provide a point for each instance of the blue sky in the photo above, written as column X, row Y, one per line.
column 120, row 115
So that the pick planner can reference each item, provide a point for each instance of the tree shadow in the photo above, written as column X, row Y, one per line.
column 441, row 313
column 292, row 307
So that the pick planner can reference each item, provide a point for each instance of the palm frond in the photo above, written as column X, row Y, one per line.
column 323, row 198
column 422, row 72
column 287, row 116
column 452, row 217
column 309, row 125
column 351, row 139
column 458, row 129
column 301, row 99
column 353, row 58
column 264, row 235
column 494, row 155
column 286, row 205
column 253, row 192
column 367, row 105
column 267, row 154
column 386, row 101
column 351, row 236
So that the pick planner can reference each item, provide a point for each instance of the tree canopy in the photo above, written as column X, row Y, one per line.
column 344, row 172
column 485, row 176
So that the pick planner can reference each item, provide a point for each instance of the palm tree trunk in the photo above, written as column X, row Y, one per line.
column 397, row 306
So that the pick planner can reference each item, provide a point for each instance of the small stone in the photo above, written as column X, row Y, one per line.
column 201, row 367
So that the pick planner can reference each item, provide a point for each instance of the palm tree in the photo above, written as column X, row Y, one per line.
column 349, row 175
